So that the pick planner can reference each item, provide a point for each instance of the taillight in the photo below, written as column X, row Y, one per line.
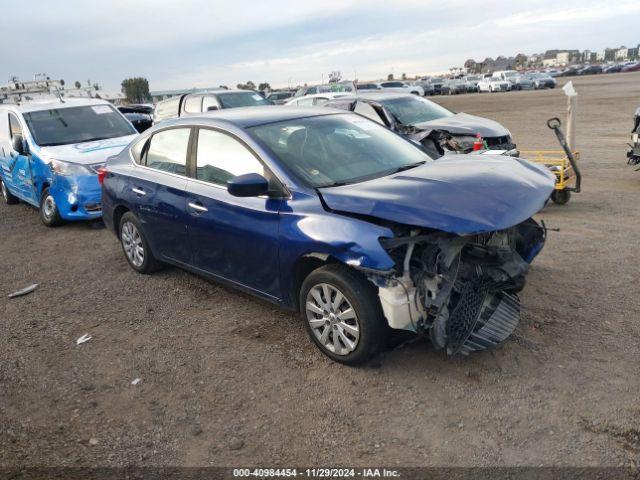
column 102, row 172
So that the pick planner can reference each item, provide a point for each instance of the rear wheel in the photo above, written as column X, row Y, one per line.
column 135, row 245
column 49, row 213
column 561, row 196
column 7, row 196
column 342, row 314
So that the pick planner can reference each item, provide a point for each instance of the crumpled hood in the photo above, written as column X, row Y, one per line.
column 464, row 124
column 461, row 195
column 86, row 153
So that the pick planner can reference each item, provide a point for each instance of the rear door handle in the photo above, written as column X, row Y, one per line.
column 138, row 191
column 198, row 207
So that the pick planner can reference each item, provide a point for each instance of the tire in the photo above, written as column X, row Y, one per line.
column 135, row 245
column 561, row 197
column 49, row 213
column 360, row 335
column 7, row 196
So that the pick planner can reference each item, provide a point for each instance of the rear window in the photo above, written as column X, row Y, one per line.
column 242, row 99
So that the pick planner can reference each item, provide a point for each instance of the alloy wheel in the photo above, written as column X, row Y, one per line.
column 132, row 244
column 333, row 319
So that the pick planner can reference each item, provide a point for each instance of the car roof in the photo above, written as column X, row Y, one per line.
column 50, row 104
column 246, row 117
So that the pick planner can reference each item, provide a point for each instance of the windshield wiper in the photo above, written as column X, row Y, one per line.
column 336, row 184
column 407, row 167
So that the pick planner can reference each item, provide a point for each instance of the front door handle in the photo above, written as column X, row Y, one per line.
column 138, row 191
column 198, row 207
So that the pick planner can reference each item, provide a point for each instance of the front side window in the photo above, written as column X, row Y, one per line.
column 66, row 126
column 366, row 110
column 221, row 157
column 14, row 126
column 167, row 150
column 338, row 149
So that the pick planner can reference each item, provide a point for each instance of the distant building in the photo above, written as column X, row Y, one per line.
column 632, row 53
column 562, row 58
column 600, row 56
column 622, row 53
column 550, row 62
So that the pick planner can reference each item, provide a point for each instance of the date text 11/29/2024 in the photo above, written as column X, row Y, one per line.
column 316, row 472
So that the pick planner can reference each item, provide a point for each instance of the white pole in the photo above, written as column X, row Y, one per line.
column 572, row 105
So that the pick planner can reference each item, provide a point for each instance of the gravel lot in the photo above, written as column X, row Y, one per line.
column 228, row 380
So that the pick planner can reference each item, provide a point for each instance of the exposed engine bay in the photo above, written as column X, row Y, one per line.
column 440, row 142
column 459, row 290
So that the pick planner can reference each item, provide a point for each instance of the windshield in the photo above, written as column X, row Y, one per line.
column 392, row 84
column 412, row 109
column 331, row 150
column 242, row 99
column 510, row 74
column 66, row 126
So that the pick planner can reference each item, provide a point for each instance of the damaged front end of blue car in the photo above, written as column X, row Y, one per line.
column 461, row 252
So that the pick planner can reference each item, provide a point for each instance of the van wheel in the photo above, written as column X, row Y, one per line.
column 342, row 314
column 135, row 245
column 8, row 197
column 49, row 213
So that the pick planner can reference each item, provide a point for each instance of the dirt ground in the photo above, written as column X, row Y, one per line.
column 227, row 380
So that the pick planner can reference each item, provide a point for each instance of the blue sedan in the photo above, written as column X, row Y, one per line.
column 333, row 215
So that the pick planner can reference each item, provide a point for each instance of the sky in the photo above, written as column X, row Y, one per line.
column 205, row 43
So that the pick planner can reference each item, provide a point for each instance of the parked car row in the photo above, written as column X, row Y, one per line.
column 356, row 214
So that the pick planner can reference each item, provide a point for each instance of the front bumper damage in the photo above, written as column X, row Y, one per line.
column 461, row 291
column 77, row 198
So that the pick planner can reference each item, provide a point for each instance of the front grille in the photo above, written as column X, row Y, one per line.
column 93, row 207
column 500, row 143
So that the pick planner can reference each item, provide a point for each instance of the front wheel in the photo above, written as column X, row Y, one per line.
column 135, row 245
column 49, row 213
column 561, row 196
column 7, row 196
column 342, row 314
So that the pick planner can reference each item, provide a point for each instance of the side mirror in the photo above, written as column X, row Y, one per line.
column 211, row 108
column 17, row 143
column 249, row 185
